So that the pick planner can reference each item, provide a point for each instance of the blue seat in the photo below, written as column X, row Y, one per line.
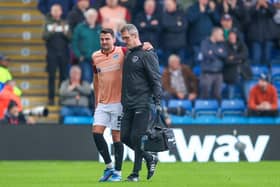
column 277, row 86
column 78, row 120
column 233, row 107
column 206, row 107
column 186, row 104
column 197, row 71
column 275, row 73
column 257, row 70
column 161, row 69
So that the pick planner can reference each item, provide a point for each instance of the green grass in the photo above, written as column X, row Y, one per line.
column 86, row 174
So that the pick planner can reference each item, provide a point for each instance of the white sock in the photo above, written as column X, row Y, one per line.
column 118, row 172
column 110, row 165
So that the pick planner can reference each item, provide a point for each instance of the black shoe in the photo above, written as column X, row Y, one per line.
column 133, row 177
column 151, row 166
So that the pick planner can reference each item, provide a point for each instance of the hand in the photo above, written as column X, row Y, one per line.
column 220, row 50
column 210, row 52
column 82, row 58
column 30, row 121
column 226, row 6
column 231, row 57
column 158, row 108
column 147, row 46
column 192, row 96
column 154, row 22
column 54, row 27
column 212, row 5
column 72, row 87
column 202, row 8
column 233, row 3
column 143, row 24
column 180, row 95
column 168, row 121
column 77, row 97
column 267, row 105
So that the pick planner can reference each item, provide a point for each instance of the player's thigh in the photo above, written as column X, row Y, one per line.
column 101, row 120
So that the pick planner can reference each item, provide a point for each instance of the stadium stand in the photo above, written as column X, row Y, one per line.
column 20, row 39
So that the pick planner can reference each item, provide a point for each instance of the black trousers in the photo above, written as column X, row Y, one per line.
column 134, row 125
column 55, row 61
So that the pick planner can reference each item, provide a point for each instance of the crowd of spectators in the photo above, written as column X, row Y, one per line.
column 222, row 38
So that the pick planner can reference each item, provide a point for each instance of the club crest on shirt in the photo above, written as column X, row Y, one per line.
column 135, row 59
column 116, row 56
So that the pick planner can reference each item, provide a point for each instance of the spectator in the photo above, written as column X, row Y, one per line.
column 178, row 80
column 214, row 54
column 174, row 28
column 5, row 74
column 235, row 72
column 57, row 36
column 129, row 4
column 76, row 15
column 74, row 95
column 235, row 9
column 112, row 14
column 45, row 6
column 148, row 23
column 6, row 95
column 14, row 116
column 202, row 17
column 263, row 100
column 85, row 42
column 261, row 31
column 227, row 26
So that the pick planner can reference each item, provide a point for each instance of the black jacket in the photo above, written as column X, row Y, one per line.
column 75, row 17
column 233, row 66
column 261, row 26
column 141, row 79
column 174, row 30
column 148, row 32
column 56, row 42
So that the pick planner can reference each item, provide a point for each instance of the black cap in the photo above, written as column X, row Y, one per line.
column 12, row 104
column 226, row 17
column 264, row 77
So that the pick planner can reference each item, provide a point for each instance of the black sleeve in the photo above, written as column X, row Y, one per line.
column 151, row 66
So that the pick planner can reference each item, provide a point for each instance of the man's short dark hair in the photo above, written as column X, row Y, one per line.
column 108, row 31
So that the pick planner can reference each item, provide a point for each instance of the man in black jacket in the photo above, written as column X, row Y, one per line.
column 57, row 36
column 76, row 15
column 141, row 87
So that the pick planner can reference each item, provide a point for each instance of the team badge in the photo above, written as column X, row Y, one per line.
column 116, row 56
column 135, row 59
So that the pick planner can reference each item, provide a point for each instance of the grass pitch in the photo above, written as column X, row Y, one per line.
column 86, row 174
